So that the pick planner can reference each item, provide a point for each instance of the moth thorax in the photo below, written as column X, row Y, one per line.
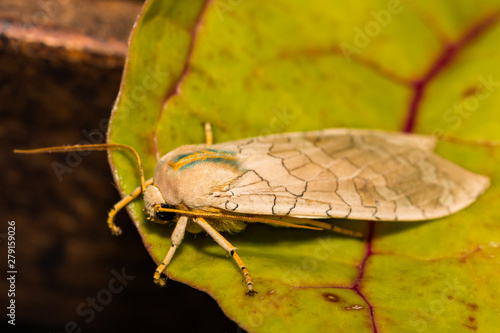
column 152, row 197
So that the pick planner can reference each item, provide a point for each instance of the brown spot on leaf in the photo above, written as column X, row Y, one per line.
column 269, row 293
column 451, row 298
column 353, row 307
column 472, row 306
column 471, row 327
column 470, row 91
column 472, row 319
column 331, row 297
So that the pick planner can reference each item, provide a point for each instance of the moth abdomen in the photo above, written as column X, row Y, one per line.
column 231, row 226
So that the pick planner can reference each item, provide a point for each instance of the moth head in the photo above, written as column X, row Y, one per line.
column 153, row 197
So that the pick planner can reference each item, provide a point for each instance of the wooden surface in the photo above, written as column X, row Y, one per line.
column 58, row 81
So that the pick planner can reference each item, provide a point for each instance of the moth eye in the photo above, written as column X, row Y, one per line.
column 166, row 216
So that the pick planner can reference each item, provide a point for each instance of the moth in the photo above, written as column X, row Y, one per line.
column 296, row 180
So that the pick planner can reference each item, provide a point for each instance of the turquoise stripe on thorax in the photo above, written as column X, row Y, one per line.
column 207, row 151
column 219, row 160
column 208, row 155
column 180, row 157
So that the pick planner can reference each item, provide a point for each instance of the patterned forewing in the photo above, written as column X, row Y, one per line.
column 355, row 174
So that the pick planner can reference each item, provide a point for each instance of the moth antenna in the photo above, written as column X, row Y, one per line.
column 250, row 219
column 99, row 147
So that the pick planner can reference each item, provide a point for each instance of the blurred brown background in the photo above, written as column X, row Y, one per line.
column 60, row 70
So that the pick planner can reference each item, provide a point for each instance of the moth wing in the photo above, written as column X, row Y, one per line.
column 355, row 174
column 341, row 137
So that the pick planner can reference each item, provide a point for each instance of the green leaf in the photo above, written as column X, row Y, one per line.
column 255, row 67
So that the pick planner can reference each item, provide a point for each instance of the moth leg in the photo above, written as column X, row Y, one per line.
column 229, row 248
column 346, row 232
column 334, row 228
column 491, row 144
column 209, row 136
column 152, row 219
column 177, row 236
column 115, row 230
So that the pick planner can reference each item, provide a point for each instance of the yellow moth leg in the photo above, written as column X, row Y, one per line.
column 346, row 232
column 177, row 236
column 115, row 230
column 209, row 136
column 334, row 228
column 490, row 144
column 229, row 248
